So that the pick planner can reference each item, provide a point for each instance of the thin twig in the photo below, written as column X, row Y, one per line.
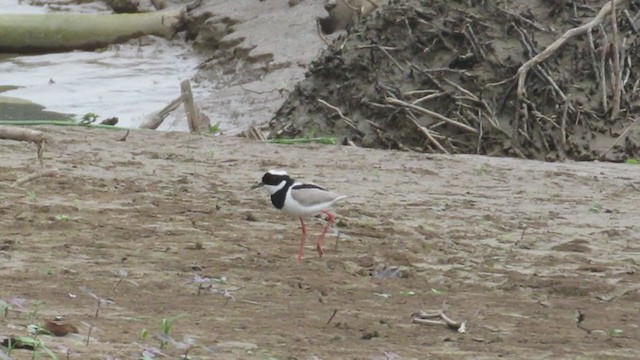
column 628, row 128
column 563, row 124
column 538, row 68
column 430, row 97
column 631, row 21
column 551, row 49
column 616, row 78
column 541, row 135
column 603, row 75
column 347, row 120
column 395, row 62
column 427, row 319
column 322, row 37
column 431, row 113
column 476, row 99
column 427, row 133
column 260, row 92
column 480, row 134
column 475, row 44
column 522, row 18
column 335, row 311
column 36, row 175
column 369, row 46
column 426, row 73
column 124, row 138
column 592, row 54
column 623, row 56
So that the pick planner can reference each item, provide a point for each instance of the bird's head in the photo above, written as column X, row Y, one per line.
column 273, row 180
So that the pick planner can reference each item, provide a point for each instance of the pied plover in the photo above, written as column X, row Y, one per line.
column 301, row 200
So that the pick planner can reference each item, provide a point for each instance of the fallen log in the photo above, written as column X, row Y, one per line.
column 156, row 119
column 53, row 172
column 20, row 134
column 58, row 32
column 198, row 122
column 36, row 137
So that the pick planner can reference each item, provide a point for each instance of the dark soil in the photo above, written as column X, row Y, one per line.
column 463, row 57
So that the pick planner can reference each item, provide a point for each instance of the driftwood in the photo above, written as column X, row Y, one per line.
column 193, row 115
column 198, row 122
column 62, row 32
column 189, row 105
column 438, row 318
column 155, row 120
column 36, row 137
column 19, row 134
column 53, row 172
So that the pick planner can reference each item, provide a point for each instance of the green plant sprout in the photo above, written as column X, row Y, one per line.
column 309, row 137
column 89, row 118
column 615, row 332
column 311, row 133
column 36, row 343
column 595, row 207
column 214, row 129
column 165, row 329
column 31, row 343
column 482, row 169
column 32, row 196
column 4, row 307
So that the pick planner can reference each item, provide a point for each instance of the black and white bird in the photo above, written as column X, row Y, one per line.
column 302, row 200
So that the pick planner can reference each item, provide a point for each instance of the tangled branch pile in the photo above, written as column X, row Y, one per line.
column 529, row 78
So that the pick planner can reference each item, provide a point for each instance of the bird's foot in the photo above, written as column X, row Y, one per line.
column 319, row 249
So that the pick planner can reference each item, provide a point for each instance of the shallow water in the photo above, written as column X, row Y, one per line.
column 129, row 81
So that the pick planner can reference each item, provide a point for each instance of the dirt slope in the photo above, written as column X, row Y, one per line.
column 441, row 76
column 513, row 247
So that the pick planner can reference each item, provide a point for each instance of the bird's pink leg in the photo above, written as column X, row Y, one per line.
column 302, row 237
column 320, row 239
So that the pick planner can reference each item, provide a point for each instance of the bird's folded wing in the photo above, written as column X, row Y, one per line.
column 309, row 195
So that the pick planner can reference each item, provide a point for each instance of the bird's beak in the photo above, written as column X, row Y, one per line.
column 257, row 185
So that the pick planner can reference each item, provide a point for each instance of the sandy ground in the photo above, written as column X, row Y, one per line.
column 262, row 49
column 515, row 248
